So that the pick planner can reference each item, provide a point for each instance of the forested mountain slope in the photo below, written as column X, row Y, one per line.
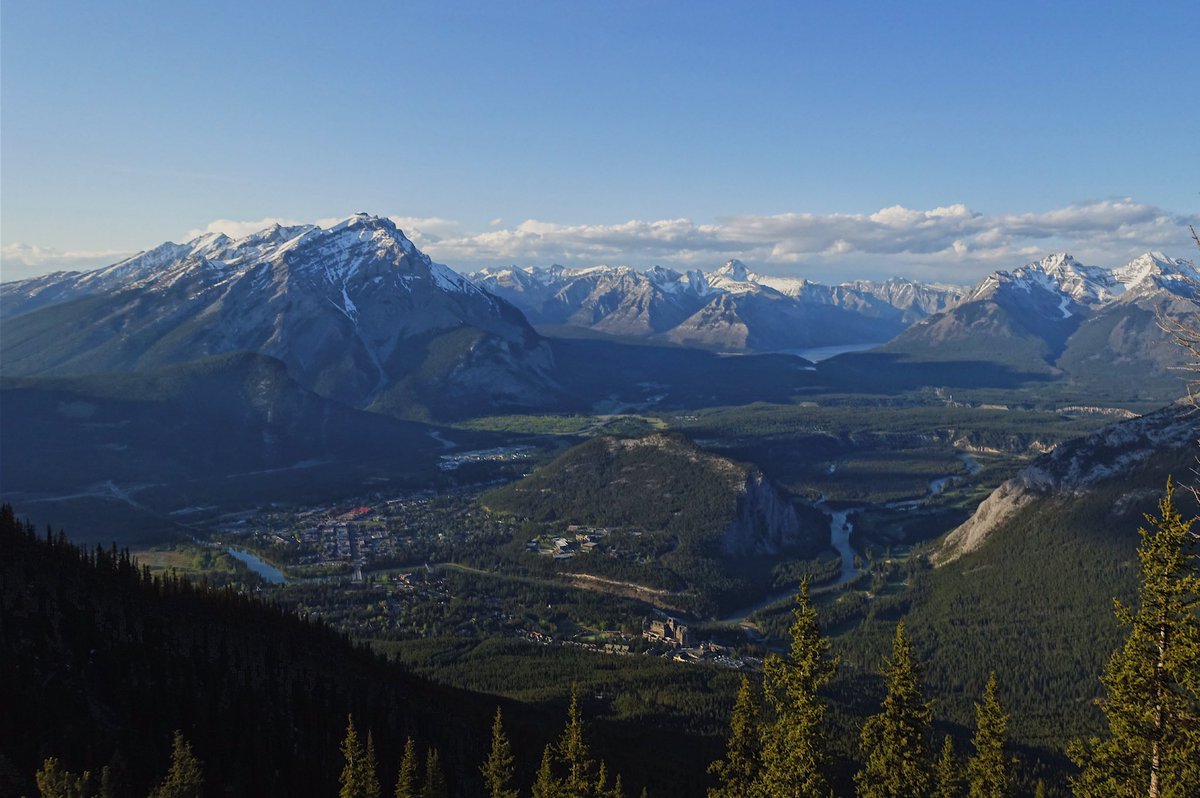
column 102, row 663
column 103, row 453
column 1028, row 583
column 696, row 519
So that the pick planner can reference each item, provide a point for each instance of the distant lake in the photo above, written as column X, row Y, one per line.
column 264, row 569
column 819, row 353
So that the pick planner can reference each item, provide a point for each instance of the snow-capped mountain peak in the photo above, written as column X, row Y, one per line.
column 734, row 270
column 1058, row 274
column 661, row 275
column 339, row 305
column 735, row 278
column 1067, row 275
column 791, row 286
column 1072, row 285
column 1154, row 270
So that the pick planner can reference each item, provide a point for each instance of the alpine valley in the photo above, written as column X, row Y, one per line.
column 313, row 473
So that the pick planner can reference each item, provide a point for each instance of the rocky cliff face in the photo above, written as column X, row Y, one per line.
column 1077, row 467
column 766, row 522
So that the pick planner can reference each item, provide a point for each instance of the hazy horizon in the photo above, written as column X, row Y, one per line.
column 939, row 142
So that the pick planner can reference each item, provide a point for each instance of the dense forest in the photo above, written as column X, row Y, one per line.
column 104, row 662
column 125, row 675
column 671, row 506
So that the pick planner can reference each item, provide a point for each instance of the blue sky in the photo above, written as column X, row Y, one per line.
column 834, row 140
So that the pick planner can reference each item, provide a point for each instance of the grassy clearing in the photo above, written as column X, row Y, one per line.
column 196, row 562
column 569, row 424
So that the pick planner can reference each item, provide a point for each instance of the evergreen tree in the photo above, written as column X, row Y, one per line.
column 603, row 789
column 989, row 773
column 360, row 777
column 546, row 785
column 353, row 755
column 1039, row 789
column 184, row 777
column 435, row 780
column 1152, row 683
column 54, row 782
column 737, row 771
column 947, row 772
column 498, row 769
column 369, row 776
column 108, row 783
column 406, row 780
column 794, row 758
column 573, row 751
column 896, row 742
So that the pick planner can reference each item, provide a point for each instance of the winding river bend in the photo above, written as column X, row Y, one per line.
column 839, row 537
column 840, row 528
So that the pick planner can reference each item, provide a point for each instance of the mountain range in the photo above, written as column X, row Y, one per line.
column 729, row 309
column 359, row 315
column 355, row 311
column 1099, row 329
column 220, row 374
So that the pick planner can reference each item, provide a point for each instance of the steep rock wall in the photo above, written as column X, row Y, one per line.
column 766, row 522
column 1075, row 467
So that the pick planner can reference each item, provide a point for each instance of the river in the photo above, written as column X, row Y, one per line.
column 264, row 569
column 840, row 528
column 816, row 354
column 839, row 537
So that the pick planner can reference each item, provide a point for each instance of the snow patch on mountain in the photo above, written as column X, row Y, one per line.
column 729, row 308
column 1063, row 305
column 1070, row 282
column 340, row 305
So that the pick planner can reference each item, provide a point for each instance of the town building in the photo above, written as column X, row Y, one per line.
column 667, row 630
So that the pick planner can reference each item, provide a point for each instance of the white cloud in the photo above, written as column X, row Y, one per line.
column 952, row 242
column 426, row 230
column 238, row 229
column 19, row 260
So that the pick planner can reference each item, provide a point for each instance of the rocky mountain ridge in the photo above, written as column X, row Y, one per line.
column 730, row 308
column 1100, row 330
column 355, row 310
column 1075, row 468
column 1077, row 285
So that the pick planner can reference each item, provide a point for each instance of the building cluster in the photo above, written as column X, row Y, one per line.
column 577, row 539
column 667, row 630
column 501, row 454
column 365, row 533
